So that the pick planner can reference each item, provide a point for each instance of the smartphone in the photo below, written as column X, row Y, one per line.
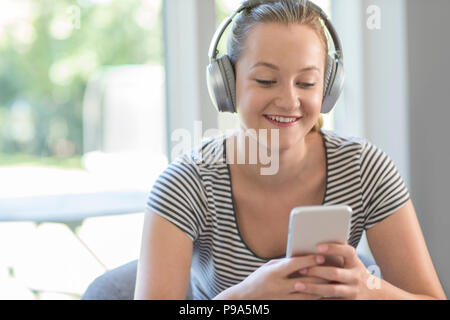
column 312, row 225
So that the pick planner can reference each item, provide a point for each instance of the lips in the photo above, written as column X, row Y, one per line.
column 283, row 116
column 282, row 124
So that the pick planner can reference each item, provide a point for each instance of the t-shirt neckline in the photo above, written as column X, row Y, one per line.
column 322, row 134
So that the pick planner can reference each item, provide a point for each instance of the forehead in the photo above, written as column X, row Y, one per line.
column 283, row 44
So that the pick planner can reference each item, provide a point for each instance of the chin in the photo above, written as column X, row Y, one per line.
column 284, row 142
column 287, row 139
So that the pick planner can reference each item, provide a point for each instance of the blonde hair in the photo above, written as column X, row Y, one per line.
column 284, row 12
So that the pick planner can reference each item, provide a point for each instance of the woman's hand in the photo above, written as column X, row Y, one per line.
column 276, row 280
column 347, row 282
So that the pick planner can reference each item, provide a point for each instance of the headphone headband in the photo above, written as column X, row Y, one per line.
column 213, row 52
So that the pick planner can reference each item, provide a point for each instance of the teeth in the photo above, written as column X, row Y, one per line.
column 282, row 119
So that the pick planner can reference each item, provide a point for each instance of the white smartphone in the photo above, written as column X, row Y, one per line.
column 312, row 225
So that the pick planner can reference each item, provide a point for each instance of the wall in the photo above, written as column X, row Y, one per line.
column 396, row 97
column 429, row 113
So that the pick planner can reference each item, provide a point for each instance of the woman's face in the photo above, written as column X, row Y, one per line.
column 280, row 73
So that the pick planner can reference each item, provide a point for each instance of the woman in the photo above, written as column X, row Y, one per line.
column 221, row 226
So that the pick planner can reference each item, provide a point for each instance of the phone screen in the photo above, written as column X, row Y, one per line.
column 310, row 226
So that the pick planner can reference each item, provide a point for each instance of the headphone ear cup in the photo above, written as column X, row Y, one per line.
column 333, row 83
column 227, row 70
column 221, row 84
column 328, row 73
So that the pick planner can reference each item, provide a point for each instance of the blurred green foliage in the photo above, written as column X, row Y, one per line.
column 47, row 57
column 46, row 61
column 23, row 159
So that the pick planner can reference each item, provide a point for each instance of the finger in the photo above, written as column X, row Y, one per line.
column 334, row 261
column 274, row 261
column 294, row 294
column 301, row 296
column 323, row 298
column 330, row 274
column 289, row 265
column 288, row 286
column 325, row 290
column 344, row 250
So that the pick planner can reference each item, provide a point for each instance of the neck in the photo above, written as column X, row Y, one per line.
column 294, row 163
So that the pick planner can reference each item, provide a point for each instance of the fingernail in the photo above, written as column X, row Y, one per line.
column 300, row 286
column 320, row 259
column 304, row 271
column 322, row 248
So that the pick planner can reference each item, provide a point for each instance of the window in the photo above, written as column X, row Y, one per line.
column 82, row 117
column 53, row 61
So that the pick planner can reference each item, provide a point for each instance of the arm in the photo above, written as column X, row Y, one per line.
column 165, row 261
column 405, row 262
column 166, row 256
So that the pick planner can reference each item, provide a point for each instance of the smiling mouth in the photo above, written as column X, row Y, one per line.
column 281, row 119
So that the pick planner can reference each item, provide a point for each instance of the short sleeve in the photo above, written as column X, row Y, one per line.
column 383, row 189
column 176, row 196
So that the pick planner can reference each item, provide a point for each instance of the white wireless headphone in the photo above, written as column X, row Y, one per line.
column 220, row 74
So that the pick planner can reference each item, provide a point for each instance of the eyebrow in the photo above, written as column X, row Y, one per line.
column 272, row 66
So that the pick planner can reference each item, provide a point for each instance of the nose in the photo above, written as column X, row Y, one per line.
column 288, row 97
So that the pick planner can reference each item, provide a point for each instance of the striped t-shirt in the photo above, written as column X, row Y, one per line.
column 194, row 193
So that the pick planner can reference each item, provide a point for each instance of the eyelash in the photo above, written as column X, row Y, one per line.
column 267, row 83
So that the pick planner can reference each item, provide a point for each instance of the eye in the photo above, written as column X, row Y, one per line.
column 265, row 82
column 307, row 85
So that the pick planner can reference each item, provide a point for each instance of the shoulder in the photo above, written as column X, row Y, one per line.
column 180, row 193
column 207, row 155
column 357, row 154
column 189, row 167
column 338, row 144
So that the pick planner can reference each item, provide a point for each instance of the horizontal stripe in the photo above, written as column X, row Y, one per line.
column 196, row 196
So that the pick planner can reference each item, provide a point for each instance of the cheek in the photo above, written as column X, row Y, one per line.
column 250, row 99
column 313, row 103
